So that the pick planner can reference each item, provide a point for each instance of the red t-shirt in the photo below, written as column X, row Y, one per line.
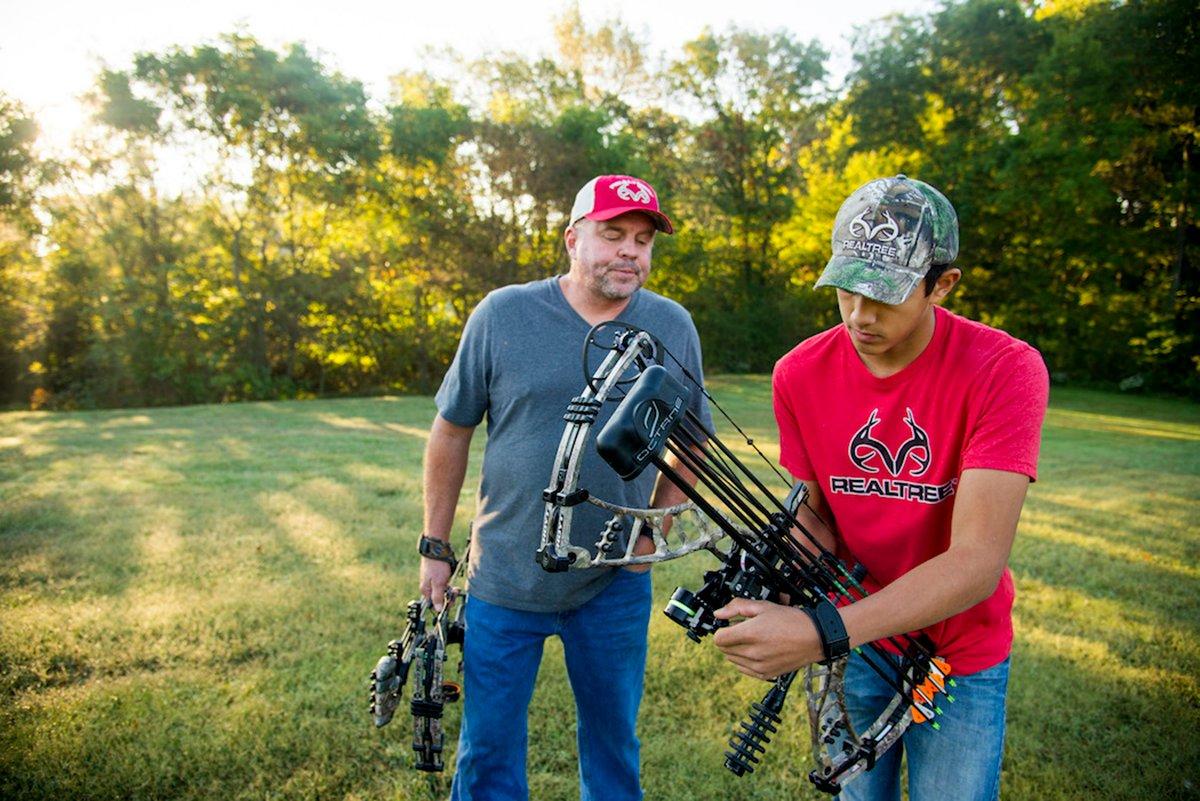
column 888, row 453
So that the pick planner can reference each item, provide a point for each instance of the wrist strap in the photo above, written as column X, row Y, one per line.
column 438, row 550
column 835, row 642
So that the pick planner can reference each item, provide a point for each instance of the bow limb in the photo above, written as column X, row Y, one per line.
column 840, row 753
column 692, row 531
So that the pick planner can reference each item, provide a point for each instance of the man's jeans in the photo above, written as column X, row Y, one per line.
column 959, row 761
column 604, row 642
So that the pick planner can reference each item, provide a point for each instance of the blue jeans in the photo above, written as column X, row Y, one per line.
column 604, row 643
column 959, row 761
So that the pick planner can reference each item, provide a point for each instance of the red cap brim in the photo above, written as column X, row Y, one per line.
column 661, row 221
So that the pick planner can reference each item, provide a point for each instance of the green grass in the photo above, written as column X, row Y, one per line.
column 190, row 600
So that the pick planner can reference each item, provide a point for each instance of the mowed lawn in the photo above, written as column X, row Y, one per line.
column 191, row 600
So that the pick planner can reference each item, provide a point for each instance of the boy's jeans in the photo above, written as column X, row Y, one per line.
column 959, row 761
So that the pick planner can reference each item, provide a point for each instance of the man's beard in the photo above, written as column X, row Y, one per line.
column 612, row 290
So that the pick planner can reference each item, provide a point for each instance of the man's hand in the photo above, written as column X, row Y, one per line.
column 770, row 640
column 643, row 546
column 435, row 576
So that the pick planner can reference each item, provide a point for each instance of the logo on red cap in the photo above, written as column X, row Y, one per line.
column 608, row 196
column 632, row 189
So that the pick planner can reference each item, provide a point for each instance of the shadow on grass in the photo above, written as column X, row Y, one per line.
column 226, row 576
column 190, row 582
column 1077, row 729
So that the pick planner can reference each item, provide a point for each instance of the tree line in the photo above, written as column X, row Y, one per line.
column 335, row 245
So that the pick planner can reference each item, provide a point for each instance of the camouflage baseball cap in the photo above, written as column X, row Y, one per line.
column 887, row 235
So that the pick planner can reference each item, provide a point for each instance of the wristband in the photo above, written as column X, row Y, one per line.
column 835, row 642
column 438, row 550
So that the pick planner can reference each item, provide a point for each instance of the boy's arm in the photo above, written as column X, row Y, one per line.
column 775, row 639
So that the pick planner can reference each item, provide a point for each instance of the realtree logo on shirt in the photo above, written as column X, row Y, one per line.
column 910, row 460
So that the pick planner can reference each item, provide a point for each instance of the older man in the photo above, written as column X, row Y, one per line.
column 518, row 365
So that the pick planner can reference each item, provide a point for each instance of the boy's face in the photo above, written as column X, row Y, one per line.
column 892, row 336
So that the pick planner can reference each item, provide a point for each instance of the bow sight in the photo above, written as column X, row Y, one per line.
column 422, row 651
column 774, row 556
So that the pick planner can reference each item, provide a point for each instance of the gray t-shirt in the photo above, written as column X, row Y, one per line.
column 519, row 363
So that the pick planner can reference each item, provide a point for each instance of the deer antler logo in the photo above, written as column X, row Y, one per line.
column 886, row 231
column 865, row 449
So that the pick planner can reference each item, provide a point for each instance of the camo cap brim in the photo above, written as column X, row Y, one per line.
column 887, row 235
column 882, row 282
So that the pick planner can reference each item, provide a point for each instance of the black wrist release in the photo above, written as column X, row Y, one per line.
column 439, row 550
column 835, row 642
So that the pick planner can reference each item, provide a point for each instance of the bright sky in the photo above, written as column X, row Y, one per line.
column 51, row 50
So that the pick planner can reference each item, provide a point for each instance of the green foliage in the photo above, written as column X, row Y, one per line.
column 755, row 93
column 336, row 247
column 1065, row 139
column 285, row 106
column 17, row 161
column 20, row 176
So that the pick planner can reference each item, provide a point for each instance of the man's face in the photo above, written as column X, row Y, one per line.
column 612, row 257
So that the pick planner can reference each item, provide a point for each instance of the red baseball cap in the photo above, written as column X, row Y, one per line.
column 608, row 196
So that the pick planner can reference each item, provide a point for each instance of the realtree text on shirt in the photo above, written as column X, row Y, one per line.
column 888, row 453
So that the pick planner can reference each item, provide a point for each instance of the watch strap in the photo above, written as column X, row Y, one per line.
column 835, row 642
column 438, row 550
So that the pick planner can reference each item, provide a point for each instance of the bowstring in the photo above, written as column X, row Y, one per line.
column 745, row 437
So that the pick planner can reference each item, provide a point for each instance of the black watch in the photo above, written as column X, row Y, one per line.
column 835, row 642
column 439, row 550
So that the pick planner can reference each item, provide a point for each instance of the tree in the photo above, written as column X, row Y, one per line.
column 758, row 97
column 20, row 176
column 1064, row 138
column 293, row 143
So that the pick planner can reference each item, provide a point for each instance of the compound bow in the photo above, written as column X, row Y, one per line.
column 426, row 636
column 765, row 560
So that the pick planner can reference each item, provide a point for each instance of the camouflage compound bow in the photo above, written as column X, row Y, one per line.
column 765, row 560
column 422, row 650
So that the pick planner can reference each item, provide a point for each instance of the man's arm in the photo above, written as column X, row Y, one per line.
column 775, row 639
column 445, row 468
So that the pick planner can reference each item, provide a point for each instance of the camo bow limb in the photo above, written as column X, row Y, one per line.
column 421, row 651
column 844, row 753
column 628, row 352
